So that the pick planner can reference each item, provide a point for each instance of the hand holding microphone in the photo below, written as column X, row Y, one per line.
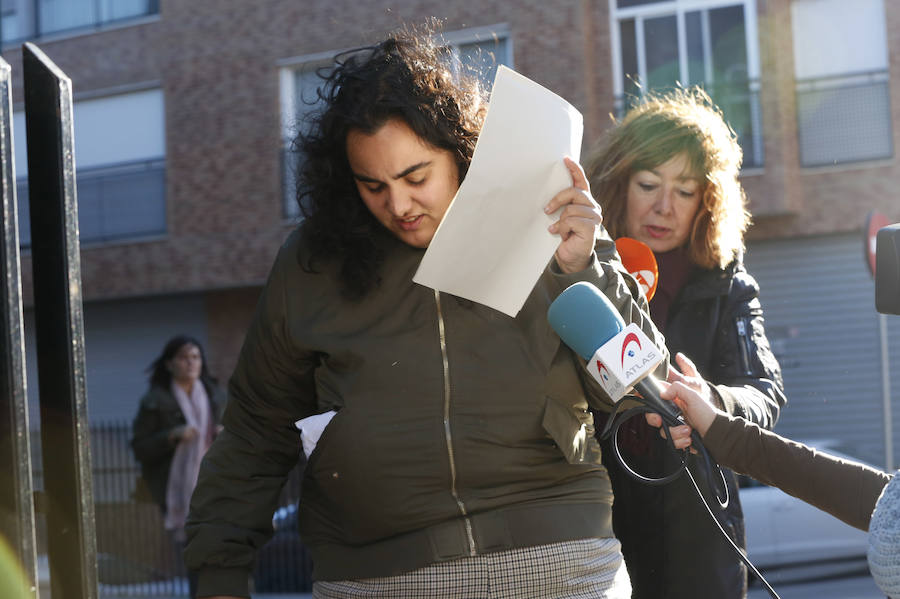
column 695, row 404
column 693, row 397
column 619, row 357
column 622, row 357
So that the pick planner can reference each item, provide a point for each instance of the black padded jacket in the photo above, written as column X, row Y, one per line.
column 671, row 546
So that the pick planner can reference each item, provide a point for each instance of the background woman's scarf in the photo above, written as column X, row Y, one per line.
column 188, row 454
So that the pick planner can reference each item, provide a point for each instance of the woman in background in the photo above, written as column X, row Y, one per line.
column 667, row 175
column 177, row 420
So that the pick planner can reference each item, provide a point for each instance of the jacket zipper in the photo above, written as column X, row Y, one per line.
column 470, row 537
column 744, row 344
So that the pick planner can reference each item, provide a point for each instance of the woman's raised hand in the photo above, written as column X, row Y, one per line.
column 691, row 394
column 579, row 221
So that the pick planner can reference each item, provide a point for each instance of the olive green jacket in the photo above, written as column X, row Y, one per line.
column 460, row 430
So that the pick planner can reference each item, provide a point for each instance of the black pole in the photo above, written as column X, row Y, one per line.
column 59, row 327
column 16, row 503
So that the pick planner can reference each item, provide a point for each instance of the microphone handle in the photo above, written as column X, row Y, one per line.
column 650, row 389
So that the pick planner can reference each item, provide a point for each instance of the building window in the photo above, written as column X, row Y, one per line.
column 120, row 167
column 25, row 19
column 712, row 43
column 477, row 51
column 842, row 81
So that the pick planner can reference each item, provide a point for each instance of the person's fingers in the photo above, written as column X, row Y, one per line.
column 674, row 375
column 683, row 390
column 653, row 419
column 682, row 443
column 579, row 179
column 574, row 210
column 669, row 391
column 579, row 193
column 687, row 365
column 573, row 197
column 580, row 223
column 680, row 435
column 689, row 375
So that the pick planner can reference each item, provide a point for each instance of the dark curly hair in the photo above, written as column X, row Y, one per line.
column 408, row 76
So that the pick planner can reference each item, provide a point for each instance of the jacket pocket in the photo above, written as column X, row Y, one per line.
column 322, row 441
column 745, row 348
column 311, row 429
column 572, row 431
column 344, row 493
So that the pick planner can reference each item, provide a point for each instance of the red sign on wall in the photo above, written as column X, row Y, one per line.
column 874, row 221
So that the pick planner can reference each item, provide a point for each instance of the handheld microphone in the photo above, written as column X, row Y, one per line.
column 619, row 357
column 638, row 259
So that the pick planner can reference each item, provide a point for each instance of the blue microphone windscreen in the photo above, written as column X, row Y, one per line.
column 584, row 318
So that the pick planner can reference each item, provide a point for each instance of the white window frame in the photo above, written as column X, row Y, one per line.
column 25, row 12
column 806, row 82
column 98, row 153
column 680, row 8
column 287, row 72
column 288, row 67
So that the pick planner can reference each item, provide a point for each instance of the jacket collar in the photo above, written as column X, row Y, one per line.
column 707, row 283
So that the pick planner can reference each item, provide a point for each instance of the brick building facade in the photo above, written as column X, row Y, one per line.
column 224, row 70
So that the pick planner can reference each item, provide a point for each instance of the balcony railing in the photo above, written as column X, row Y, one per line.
column 739, row 102
column 117, row 202
column 844, row 119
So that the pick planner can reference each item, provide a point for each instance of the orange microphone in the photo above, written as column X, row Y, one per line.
column 639, row 260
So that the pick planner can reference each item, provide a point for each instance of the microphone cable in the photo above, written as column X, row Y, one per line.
column 611, row 430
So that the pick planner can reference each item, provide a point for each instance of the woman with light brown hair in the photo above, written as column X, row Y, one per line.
column 667, row 175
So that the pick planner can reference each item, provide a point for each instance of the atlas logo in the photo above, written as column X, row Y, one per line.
column 626, row 351
column 649, row 358
column 604, row 373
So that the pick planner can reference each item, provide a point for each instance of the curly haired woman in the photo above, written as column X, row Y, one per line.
column 454, row 460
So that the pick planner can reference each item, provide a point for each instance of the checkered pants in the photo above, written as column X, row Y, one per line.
column 582, row 569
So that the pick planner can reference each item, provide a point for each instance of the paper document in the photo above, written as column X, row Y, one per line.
column 311, row 428
column 493, row 243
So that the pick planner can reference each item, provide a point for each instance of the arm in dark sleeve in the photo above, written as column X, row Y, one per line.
column 242, row 474
column 847, row 490
column 746, row 375
column 150, row 436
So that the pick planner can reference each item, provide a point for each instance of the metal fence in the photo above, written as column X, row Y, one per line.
column 137, row 557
